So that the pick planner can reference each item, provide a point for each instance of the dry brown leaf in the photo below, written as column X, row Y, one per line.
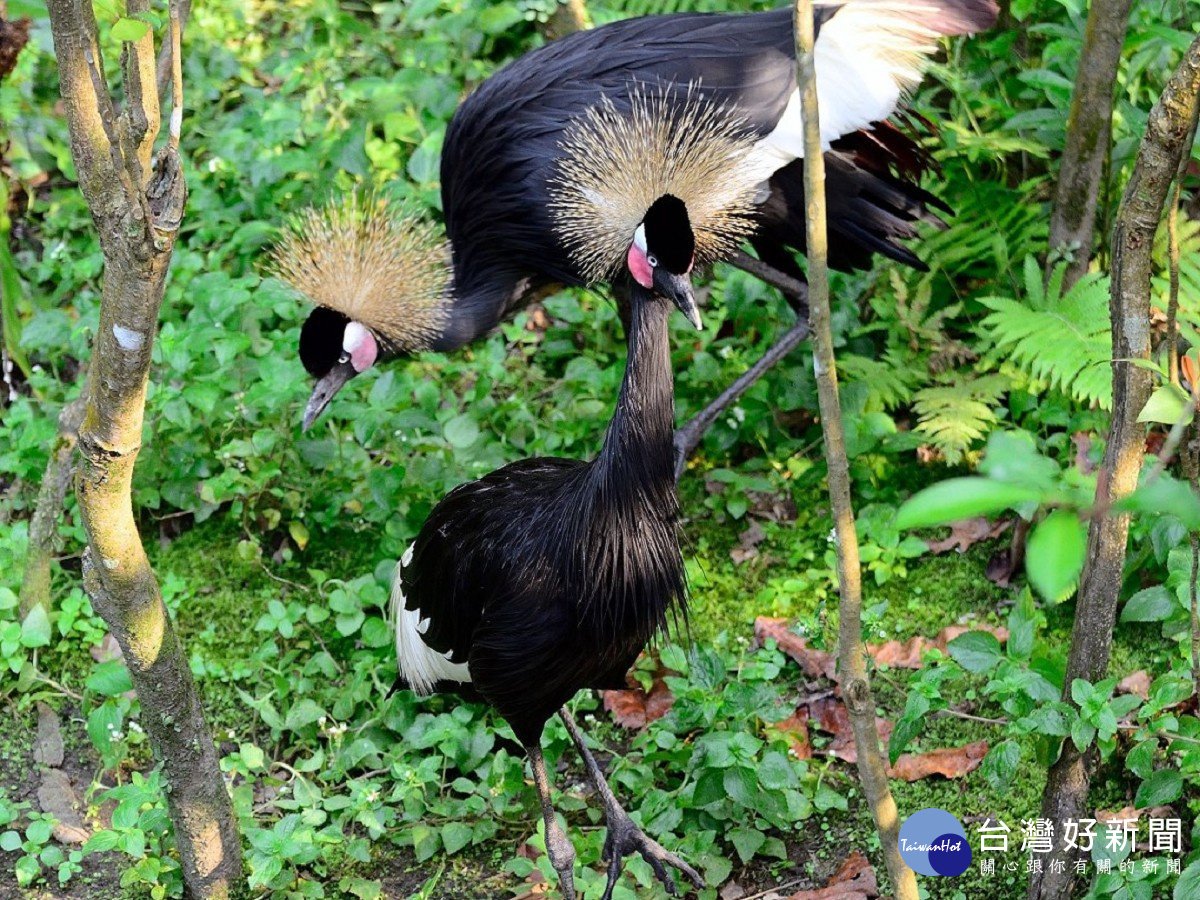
column 830, row 715
column 855, row 880
column 907, row 654
column 1136, row 683
column 57, row 798
column 1150, row 812
column 794, row 730
column 949, row 762
column 748, row 542
column 815, row 663
column 732, row 891
column 772, row 507
column 634, row 708
column 966, row 532
column 1083, row 446
column 107, row 649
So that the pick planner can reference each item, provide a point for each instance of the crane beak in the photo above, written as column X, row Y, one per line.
column 325, row 390
column 678, row 289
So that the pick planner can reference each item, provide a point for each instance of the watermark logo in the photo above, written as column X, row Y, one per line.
column 933, row 842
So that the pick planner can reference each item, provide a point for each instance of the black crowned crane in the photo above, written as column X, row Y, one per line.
column 502, row 160
column 549, row 576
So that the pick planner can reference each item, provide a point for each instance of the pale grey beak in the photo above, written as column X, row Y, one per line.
column 678, row 289
column 325, row 390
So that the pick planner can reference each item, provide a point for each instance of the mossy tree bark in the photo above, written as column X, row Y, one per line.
column 1073, row 219
column 136, row 200
column 568, row 17
column 1172, row 122
column 852, row 654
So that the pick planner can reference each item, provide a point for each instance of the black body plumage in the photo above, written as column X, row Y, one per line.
column 548, row 576
column 503, row 142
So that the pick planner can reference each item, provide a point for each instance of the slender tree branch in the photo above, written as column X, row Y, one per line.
column 772, row 276
column 168, row 57
column 852, row 654
column 137, row 209
column 1170, row 124
column 1072, row 220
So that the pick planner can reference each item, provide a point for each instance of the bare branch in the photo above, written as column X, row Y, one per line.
column 177, row 18
column 89, row 106
column 140, row 119
column 852, row 654
column 166, row 57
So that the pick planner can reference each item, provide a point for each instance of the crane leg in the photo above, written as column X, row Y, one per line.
column 795, row 291
column 558, row 845
column 624, row 837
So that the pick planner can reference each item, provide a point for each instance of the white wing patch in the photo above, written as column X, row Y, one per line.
column 420, row 665
column 868, row 56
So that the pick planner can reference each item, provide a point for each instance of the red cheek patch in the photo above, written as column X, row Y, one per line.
column 639, row 267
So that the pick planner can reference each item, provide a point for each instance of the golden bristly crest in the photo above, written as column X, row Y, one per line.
column 373, row 261
column 616, row 163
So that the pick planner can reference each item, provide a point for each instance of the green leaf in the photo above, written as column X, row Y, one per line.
column 960, row 498
column 746, row 841
column 1152, row 604
column 1188, row 885
column 1163, row 787
column 125, row 29
column 742, row 785
column 10, row 841
column 775, row 772
column 1000, row 765
column 299, row 533
column 302, row 714
column 110, row 678
column 1140, row 760
column 1022, row 626
column 1055, row 553
column 710, row 787
column 35, row 630
column 1082, row 733
column 975, row 651
column 1167, row 405
column 1164, row 496
column 455, row 836
column 461, row 431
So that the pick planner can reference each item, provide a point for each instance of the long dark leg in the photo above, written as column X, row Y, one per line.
column 623, row 836
column 689, row 436
column 795, row 292
column 558, row 846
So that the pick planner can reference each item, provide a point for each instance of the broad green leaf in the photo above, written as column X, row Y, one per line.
column 1164, row 496
column 35, row 630
column 975, row 651
column 10, row 841
column 1163, row 787
column 1188, row 885
column 1000, row 765
column 125, row 29
column 960, row 498
column 455, row 836
column 1166, row 405
column 1055, row 553
column 299, row 533
column 110, row 678
column 746, row 841
column 461, row 431
column 1140, row 760
column 1152, row 604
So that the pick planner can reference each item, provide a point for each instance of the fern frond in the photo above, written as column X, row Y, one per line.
column 889, row 381
column 1065, row 343
column 954, row 416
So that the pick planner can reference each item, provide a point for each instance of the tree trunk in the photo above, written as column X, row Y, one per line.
column 852, row 654
column 1171, row 122
column 568, row 17
column 1072, row 221
column 137, row 205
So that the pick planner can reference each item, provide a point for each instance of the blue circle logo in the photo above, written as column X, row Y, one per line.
column 933, row 842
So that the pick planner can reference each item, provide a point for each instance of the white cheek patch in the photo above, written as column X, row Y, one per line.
column 639, row 237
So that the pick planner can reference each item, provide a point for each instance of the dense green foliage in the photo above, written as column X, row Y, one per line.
column 275, row 548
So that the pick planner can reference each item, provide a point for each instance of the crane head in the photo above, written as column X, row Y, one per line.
column 379, row 277
column 663, row 252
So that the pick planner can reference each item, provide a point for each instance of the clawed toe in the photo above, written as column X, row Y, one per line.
column 624, row 838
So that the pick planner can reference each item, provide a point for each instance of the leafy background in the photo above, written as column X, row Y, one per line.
column 274, row 547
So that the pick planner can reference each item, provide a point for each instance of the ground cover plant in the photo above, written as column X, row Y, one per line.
column 274, row 549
